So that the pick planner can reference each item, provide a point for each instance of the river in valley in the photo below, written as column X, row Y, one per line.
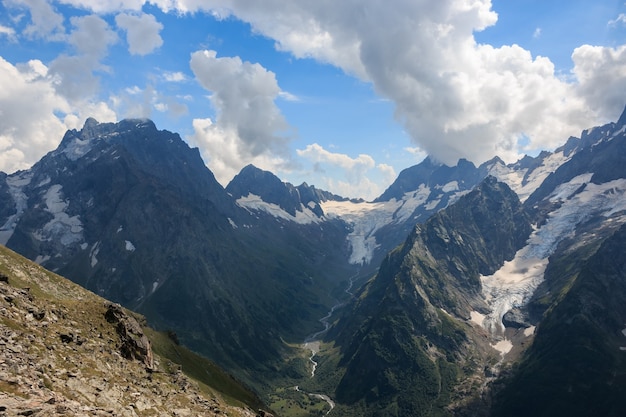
column 313, row 341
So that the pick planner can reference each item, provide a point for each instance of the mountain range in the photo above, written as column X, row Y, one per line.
column 460, row 290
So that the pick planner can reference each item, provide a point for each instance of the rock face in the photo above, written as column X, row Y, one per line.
column 59, row 355
column 134, row 343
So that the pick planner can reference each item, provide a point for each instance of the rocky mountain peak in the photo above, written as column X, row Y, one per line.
column 264, row 184
column 76, row 144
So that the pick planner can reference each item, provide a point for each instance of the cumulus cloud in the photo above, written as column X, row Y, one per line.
column 222, row 149
column 601, row 75
column 345, row 175
column 355, row 166
column 174, row 77
column 142, row 32
column 248, row 124
column 109, row 6
column 74, row 74
column 455, row 97
column 136, row 102
column 33, row 116
column 389, row 174
column 45, row 23
column 28, row 126
column 38, row 102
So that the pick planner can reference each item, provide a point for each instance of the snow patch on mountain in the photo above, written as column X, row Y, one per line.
column 43, row 182
column 77, row 148
column 16, row 183
column 40, row 259
column 431, row 205
column 129, row 246
column 515, row 282
column 405, row 208
column 451, row 186
column 253, row 202
column 524, row 181
column 366, row 219
column 62, row 227
column 95, row 249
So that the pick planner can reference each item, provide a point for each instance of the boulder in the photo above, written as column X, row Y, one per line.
column 134, row 343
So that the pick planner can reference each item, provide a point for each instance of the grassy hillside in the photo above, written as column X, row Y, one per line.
column 60, row 355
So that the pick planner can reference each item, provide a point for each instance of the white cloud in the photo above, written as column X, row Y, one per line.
column 318, row 154
column 110, row 6
column 389, row 174
column 174, row 77
column 418, row 152
column 45, row 21
column 221, row 148
column 455, row 97
column 8, row 32
column 537, row 33
column 74, row 74
column 136, row 102
column 619, row 20
column 248, row 124
column 172, row 106
column 142, row 32
column 288, row 96
column 601, row 75
column 92, row 36
column 358, row 176
column 34, row 116
column 28, row 125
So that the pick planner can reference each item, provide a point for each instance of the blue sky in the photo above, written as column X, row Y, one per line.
column 342, row 95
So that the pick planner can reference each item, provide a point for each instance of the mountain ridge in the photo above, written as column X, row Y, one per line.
column 244, row 273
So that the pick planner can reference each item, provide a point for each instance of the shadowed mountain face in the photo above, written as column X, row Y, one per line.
column 133, row 214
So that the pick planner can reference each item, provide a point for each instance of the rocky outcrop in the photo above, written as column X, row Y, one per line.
column 134, row 343
column 65, row 352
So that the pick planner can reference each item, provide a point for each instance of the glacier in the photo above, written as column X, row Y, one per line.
column 515, row 282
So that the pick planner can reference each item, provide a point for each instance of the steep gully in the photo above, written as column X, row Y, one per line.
column 313, row 341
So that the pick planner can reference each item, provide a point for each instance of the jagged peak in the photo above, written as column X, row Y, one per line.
column 493, row 161
column 75, row 143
